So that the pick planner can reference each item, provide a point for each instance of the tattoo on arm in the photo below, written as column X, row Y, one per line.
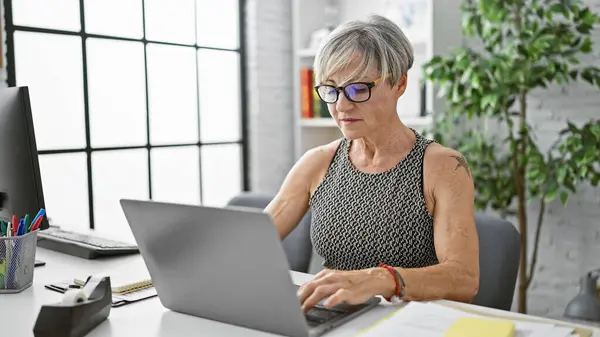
column 462, row 162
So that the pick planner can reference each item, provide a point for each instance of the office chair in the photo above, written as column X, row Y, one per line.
column 297, row 245
column 499, row 257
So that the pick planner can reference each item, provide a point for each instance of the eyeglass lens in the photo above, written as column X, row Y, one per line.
column 356, row 92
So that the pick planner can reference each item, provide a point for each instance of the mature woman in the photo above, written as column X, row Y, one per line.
column 392, row 212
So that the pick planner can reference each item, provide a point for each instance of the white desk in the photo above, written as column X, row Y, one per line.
column 146, row 318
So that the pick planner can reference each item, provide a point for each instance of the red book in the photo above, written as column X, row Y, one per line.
column 306, row 89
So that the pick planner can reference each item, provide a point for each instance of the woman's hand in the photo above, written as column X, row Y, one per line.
column 351, row 287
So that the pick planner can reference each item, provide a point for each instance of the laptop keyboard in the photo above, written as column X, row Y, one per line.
column 316, row 315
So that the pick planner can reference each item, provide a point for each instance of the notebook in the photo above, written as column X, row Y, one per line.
column 437, row 320
column 125, row 288
column 122, row 294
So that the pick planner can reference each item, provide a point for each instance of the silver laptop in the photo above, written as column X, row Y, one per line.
column 227, row 265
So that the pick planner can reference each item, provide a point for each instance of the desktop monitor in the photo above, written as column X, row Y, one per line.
column 20, row 182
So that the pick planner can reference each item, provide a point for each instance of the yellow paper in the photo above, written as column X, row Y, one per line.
column 477, row 327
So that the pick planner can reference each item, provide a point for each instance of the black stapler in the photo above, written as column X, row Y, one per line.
column 80, row 311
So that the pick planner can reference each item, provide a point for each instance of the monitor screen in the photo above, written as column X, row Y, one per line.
column 20, row 182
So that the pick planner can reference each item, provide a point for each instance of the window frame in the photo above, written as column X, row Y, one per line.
column 10, row 29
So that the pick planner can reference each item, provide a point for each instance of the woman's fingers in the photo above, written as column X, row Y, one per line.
column 340, row 296
column 319, row 293
column 324, row 277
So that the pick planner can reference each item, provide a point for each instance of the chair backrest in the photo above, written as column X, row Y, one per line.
column 297, row 245
column 499, row 257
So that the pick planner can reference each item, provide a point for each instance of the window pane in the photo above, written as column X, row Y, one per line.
column 218, row 23
column 176, row 174
column 114, row 17
column 221, row 173
column 170, row 21
column 172, row 94
column 52, row 67
column 117, row 92
column 55, row 14
column 117, row 175
column 65, row 184
column 219, row 91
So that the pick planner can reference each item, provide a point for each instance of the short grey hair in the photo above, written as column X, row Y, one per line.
column 379, row 42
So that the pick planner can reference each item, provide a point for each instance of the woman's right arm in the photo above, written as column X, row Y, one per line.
column 291, row 202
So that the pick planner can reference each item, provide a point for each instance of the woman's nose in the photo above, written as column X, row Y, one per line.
column 343, row 103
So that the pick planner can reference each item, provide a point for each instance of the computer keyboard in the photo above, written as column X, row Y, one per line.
column 318, row 315
column 87, row 246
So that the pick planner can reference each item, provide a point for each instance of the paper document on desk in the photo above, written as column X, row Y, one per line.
column 433, row 320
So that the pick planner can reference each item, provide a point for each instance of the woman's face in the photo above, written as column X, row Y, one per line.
column 357, row 120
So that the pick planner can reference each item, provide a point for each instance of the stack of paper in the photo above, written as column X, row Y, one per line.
column 433, row 320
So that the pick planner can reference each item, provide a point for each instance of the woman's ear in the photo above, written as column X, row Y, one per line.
column 400, row 86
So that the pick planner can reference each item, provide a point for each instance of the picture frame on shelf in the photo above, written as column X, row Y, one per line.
column 411, row 16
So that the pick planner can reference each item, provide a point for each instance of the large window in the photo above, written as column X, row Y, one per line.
column 131, row 99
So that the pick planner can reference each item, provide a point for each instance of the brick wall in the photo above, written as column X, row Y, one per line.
column 570, row 237
column 269, row 45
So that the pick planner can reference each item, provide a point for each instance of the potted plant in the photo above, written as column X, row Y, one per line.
column 522, row 47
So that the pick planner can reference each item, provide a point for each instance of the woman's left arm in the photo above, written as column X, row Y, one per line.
column 456, row 277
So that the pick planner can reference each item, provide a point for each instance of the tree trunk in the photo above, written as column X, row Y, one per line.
column 522, row 304
column 521, row 197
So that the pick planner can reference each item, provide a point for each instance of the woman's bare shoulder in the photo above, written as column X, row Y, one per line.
column 322, row 154
column 316, row 161
column 440, row 157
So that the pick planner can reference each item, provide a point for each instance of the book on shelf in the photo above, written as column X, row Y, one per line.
column 311, row 104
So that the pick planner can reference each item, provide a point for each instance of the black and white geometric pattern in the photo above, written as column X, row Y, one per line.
column 361, row 219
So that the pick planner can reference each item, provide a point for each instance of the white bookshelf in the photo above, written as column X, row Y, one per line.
column 437, row 31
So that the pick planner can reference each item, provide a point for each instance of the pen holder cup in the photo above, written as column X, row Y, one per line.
column 17, row 262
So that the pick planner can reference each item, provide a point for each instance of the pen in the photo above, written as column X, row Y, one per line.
column 40, row 213
column 15, row 225
column 21, row 228
column 2, row 228
column 37, row 223
column 26, row 224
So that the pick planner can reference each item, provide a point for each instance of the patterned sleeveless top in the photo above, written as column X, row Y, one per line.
column 362, row 219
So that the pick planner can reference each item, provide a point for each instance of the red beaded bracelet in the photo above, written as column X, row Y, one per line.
column 393, row 272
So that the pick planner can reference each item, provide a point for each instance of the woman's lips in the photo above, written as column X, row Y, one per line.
column 349, row 120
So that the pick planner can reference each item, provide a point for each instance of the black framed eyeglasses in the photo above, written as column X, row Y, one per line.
column 356, row 92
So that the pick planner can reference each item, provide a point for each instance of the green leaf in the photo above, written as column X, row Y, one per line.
column 564, row 196
column 556, row 8
column 550, row 195
column 561, row 173
column 540, row 13
column 589, row 18
column 586, row 46
column 573, row 74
